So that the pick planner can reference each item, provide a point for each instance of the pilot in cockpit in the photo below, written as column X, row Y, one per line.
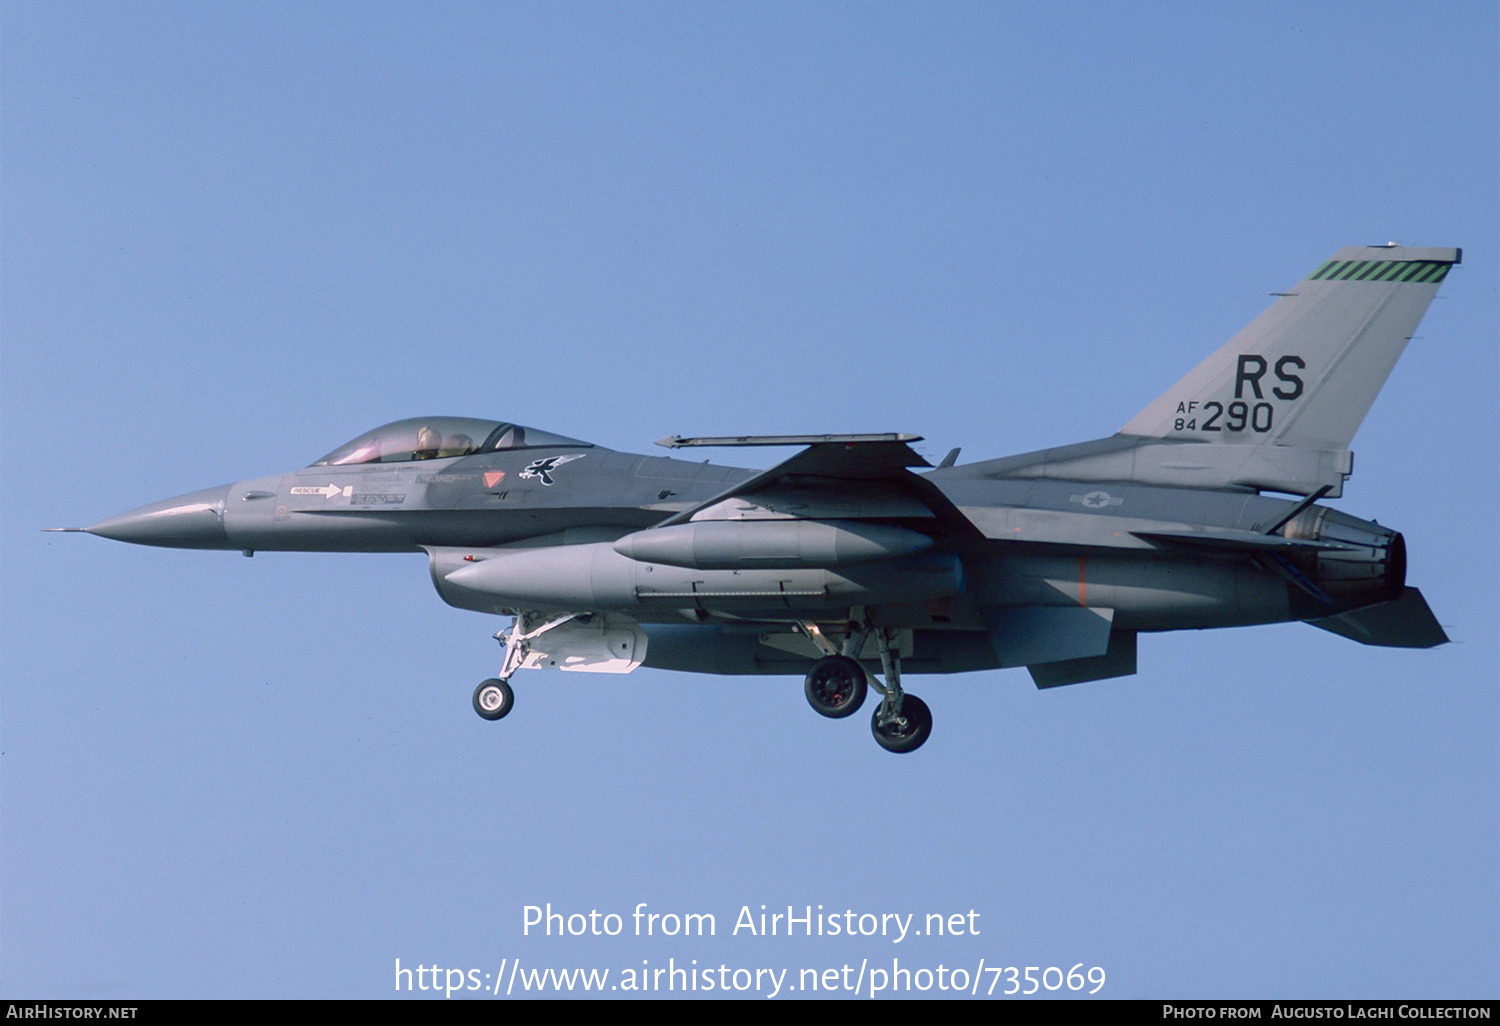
column 430, row 438
column 457, row 445
column 429, row 443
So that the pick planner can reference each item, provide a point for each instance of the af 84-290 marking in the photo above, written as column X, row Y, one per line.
column 1240, row 415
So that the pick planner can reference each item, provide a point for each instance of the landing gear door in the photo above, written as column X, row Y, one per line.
column 602, row 645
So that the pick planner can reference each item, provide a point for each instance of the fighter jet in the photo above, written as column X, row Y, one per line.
column 855, row 562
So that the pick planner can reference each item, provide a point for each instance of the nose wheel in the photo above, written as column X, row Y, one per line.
column 493, row 699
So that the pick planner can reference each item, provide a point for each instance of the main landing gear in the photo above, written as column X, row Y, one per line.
column 837, row 684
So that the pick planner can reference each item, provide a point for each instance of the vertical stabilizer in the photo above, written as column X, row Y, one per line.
column 1304, row 373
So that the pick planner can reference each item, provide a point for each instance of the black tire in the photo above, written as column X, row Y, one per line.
column 836, row 686
column 493, row 699
column 898, row 736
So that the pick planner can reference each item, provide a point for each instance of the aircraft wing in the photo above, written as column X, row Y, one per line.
column 837, row 477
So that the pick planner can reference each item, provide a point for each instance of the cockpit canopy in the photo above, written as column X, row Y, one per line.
column 433, row 438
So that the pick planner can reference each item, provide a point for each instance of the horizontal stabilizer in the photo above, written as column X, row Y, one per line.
column 1024, row 635
column 1405, row 623
column 1118, row 661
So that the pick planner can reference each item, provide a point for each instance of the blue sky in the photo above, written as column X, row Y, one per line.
column 232, row 237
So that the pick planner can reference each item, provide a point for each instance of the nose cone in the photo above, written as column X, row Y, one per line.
column 192, row 521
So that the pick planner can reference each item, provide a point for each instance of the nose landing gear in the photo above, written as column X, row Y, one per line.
column 494, row 698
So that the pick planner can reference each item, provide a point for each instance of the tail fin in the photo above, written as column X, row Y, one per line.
column 1304, row 373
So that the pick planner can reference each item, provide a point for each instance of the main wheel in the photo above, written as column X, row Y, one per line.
column 908, row 731
column 836, row 686
column 493, row 699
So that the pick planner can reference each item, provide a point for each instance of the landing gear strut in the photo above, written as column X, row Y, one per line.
column 902, row 722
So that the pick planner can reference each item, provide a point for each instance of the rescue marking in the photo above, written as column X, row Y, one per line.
column 327, row 491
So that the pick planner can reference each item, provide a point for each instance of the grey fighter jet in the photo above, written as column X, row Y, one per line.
column 854, row 561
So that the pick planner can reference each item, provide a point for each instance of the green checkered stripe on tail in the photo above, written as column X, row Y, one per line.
column 1424, row 271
